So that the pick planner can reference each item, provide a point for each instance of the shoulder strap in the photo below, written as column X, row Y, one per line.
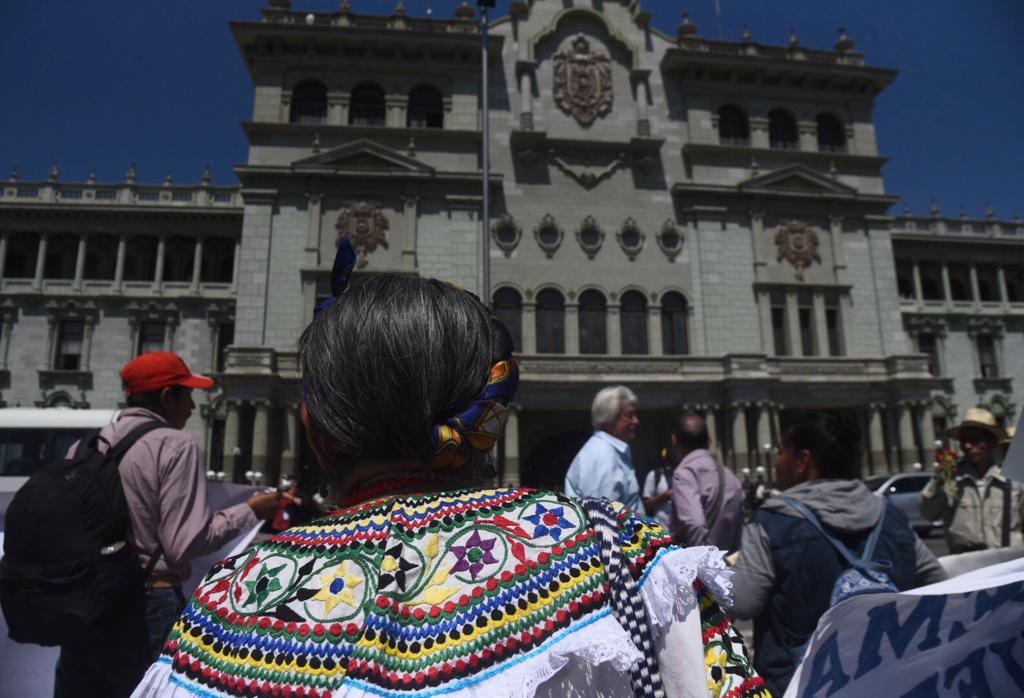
column 118, row 450
column 876, row 533
column 711, row 516
column 626, row 601
column 813, row 520
column 1006, row 487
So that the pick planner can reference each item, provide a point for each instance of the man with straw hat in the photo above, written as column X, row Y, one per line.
column 981, row 507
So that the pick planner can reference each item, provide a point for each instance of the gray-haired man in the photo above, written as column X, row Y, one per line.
column 604, row 466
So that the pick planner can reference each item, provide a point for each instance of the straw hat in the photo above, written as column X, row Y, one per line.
column 1010, row 433
column 979, row 418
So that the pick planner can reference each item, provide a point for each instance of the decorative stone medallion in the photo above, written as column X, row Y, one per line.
column 670, row 240
column 631, row 239
column 506, row 233
column 797, row 243
column 583, row 82
column 365, row 227
column 548, row 235
column 590, row 236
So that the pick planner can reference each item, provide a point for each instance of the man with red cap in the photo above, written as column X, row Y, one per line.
column 164, row 483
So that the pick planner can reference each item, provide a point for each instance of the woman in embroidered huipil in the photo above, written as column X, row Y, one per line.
column 424, row 582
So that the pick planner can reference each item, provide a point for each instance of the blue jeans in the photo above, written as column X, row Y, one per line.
column 120, row 650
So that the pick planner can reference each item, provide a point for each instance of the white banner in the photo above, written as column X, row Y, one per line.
column 961, row 637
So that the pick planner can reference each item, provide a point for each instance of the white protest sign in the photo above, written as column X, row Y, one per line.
column 1013, row 466
column 962, row 637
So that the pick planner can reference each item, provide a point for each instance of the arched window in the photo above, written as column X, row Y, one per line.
column 633, row 320
column 550, row 322
column 593, row 326
column 61, row 256
column 101, row 257
column 426, row 108
column 781, row 129
column 733, row 128
column 309, row 103
column 367, row 107
column 508, row 307
column 674, row 340
column 831, row 134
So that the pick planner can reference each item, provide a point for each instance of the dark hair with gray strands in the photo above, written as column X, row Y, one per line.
column 691, row 431
column 392, row 356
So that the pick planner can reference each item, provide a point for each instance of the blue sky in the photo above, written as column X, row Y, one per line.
column 99, row 84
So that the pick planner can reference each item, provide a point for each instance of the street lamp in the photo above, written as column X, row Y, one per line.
column 485, row 244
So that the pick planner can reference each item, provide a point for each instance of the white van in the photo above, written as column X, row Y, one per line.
column 30, row 437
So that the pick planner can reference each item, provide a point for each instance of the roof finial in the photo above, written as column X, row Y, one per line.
column 963, row 213
column 410, row 150
column 310, row 19
column 55, row 171
column 400, row 9
column 794, row 40
column 168, row 181
column 990, row 213
column 316, row 142
column 832, row 171
column 465, row 11
column 281, row 4
column 92, row 176
column 686, row 28
column 755, row 168
column 844, row 43
column 748, row 38
column 934, row 208
column 346, row 7
column 207, row 175
column 906, row 209
column 15, row 174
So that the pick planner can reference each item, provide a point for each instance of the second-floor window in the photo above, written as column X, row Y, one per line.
column 987, row 364
column 831, row 134
column 70, row 343
column 368, row 106
column 309, row 103
column 151, row 338
column 928, row 344
column 633, row 321
column 733, row 128
column 781, row 129
column 834, row 325
column 550, row 322
column 593, row 314
column 426, row 108
column 780, row 331
column 674, row 339
column 508, row 308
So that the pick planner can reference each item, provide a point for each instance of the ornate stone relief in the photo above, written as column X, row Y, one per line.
column 797, row 243
column 631, row 239
column 590, row 236
column 365, row 226
column 583, row 82
column 506, row 233
column 670, row 240
column 548, row 235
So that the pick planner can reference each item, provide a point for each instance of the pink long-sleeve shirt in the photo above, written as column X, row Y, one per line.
column 165, row 485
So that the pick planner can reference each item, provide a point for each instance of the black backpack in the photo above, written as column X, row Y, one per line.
column 67, row 560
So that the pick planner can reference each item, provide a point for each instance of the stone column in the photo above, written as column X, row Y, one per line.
column 50, row 359
column 865, row 456
column 289, row 441
column 86, row 344
column 643, row 121
column 740, row 449
column 161, row 254
column 410, row 205
column 197, row 266
column 572, row 328
column 260, row 435
column 764, row 311
column 908, row 449
column 122, row 249
column 529, row 327
column 654, row 342
column 796, row 345
column 236, row 266
column 512, row 473
column 835, row 225
column 927, row 431
column 876, row 438
column 232, row 442
column 614, row 330
column 1004, row 295
column 947, row 289
column 764, row 437
column 3, row 252
column 820, row 324
column 918, row 288
column 526, row 101
column 314, row 204
column 37, row 281
column 80, row 260
column 975, row 289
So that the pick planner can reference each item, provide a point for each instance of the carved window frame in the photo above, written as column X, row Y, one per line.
column 548, row 222
column 590, row 223
column 631, row 226
column 59, row 312
column 217, row 316
column 669, row 227
column 505, row 223
column 139, row 313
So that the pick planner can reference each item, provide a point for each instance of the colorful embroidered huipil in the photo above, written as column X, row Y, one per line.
column 465, row 593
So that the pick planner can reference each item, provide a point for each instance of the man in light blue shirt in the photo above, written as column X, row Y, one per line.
column 604, row 466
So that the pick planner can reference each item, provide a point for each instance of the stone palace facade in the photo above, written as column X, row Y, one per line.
column 704, row 221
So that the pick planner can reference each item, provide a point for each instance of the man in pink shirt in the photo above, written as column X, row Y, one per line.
column 164, row 483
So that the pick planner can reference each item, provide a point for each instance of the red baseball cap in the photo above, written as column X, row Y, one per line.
column 160, row 369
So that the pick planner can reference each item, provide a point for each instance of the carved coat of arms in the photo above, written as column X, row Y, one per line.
column 583, row 82
column 797, row 243
column 365, row 227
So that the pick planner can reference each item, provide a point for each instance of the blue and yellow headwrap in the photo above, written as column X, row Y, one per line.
column 477, row 427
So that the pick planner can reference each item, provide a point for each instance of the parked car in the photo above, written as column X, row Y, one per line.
column 904, row 490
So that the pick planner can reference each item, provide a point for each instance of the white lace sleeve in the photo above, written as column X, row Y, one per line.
column 667, row 584
column 158, row 683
